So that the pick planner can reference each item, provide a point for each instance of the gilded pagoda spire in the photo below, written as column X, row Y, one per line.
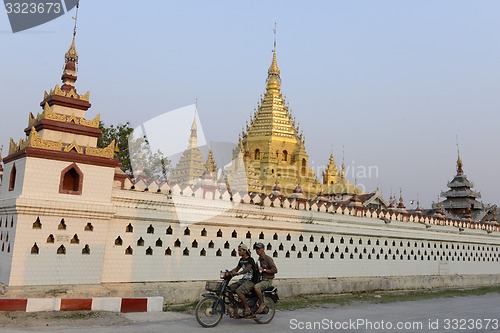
column 211, row 165
column 193, row 138
column 460, row 169
column 274, row 69
column 273, row 73
column 401, row 203
column 70, row 61
column 191, row 164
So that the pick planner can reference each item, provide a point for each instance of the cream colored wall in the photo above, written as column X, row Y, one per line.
column 8, row 236
column 81, row 140
column 158, row 267
column 68, row 111
column 42, row 178
column 48, row 267
column 108, row 262
column 20, row 178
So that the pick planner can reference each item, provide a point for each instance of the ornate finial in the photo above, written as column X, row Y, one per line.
column 193, row 138
column 71, row 60
column 400, row 194
column 210, row 164
column 71, row 54
column 193, row 125
column 343, row 158
column 274, row 69
column 331, row 159
column 459, row 160
column 274, row 36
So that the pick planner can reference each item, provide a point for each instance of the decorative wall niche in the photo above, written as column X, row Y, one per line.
column 61, row 250
column 71, row 181
column 62, row 225
column 86, row 249
column 37, row 224
column 75, row 240
column 12, row 179
column 35, row 249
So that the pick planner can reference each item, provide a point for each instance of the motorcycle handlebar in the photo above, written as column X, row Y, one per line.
column 226, row 274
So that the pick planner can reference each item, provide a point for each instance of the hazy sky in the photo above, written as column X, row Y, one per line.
column 394, row 82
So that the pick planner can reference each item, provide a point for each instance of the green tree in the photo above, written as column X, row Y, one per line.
column 134, row 154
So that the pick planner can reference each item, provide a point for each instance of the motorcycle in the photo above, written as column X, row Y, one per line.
column 220, row 300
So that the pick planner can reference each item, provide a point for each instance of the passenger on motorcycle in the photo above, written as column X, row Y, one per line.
column 246, row 267
column 267, row 269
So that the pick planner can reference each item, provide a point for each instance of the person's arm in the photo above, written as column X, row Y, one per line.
column 272, row 269
column 246, row 269
column 235, row 270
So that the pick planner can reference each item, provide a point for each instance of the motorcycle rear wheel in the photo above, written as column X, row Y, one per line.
column 208, row 312
column 268, row 315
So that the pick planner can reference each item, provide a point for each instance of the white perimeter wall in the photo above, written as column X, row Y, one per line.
column 330, row 245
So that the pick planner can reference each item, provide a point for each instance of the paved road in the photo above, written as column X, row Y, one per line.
column 459, row 314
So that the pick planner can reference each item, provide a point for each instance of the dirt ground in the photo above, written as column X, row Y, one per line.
column 56, row 318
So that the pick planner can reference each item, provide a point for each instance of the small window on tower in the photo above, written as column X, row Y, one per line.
column 257, row 154
column 71, row 180
column 12, row 181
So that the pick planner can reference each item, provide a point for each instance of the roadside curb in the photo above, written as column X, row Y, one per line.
column 112, row 304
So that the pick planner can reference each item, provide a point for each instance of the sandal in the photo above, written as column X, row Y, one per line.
column 247, row 313
column 260, row 309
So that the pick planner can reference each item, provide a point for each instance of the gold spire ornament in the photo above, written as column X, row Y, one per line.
column 274, row 69
column 71, row 54
column 459, row 160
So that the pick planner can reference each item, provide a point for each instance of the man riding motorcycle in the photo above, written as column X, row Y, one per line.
column 246, row 267
column 267, row 269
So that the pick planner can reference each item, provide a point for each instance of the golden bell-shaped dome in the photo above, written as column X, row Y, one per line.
column 71, row 54
column 273, row 83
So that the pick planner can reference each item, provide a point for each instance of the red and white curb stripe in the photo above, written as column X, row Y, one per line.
column 113, row 304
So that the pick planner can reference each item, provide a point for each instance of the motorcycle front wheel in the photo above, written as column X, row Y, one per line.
column 268, row 314
column 208, row 312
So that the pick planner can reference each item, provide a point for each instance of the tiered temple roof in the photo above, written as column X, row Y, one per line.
column 461, row 201
column 272, row 146
column 191, row 165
